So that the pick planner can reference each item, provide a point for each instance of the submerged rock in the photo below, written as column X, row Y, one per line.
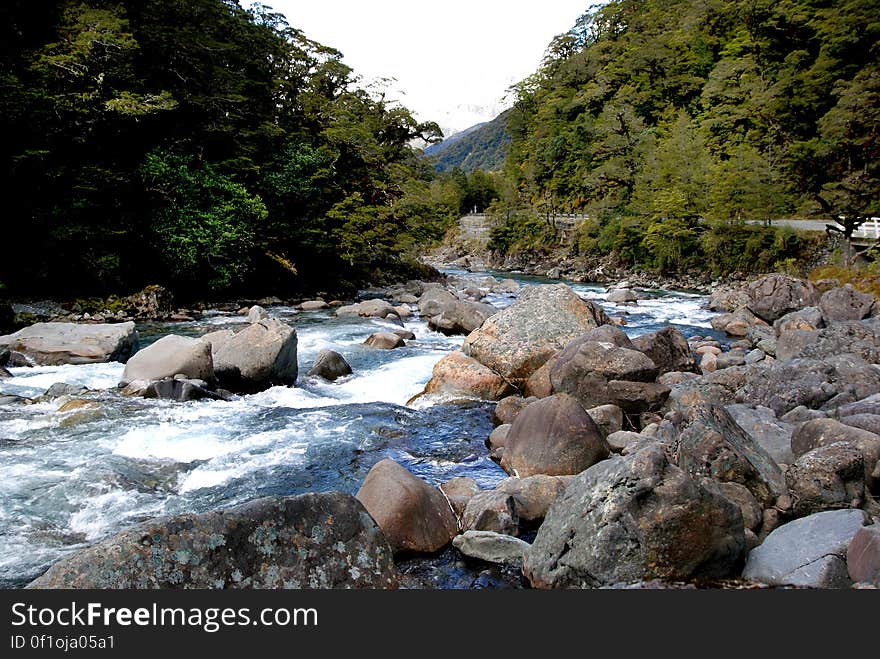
column 54, row 344
column 308, row 541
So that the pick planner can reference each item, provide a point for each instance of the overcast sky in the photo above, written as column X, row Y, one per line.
column 452, row 59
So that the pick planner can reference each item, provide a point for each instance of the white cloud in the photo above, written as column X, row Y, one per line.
column 452, row 60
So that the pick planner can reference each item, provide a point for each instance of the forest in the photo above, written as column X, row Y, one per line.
column 672, row 122
column 205, row 147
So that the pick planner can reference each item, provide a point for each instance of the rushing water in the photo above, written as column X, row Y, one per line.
column 68, row 480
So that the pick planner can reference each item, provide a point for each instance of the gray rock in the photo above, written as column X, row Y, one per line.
column 53, row 344
column 461, row 317
column 869, row 422
column 859, row 338
column 808, row 552
column 308, row 541
column 368, row 309
column 434, row 300
column 491, row 547
column 330, row 365
column 635, row 518
column 621, row 441
column 845, row 303
column 60, row 389
column 730, row 359
column 823, row 432
column 314, row 305
column 181, row 391
column 751, row 509
column 520, row 339
column 622, row 296
column 384, row 341
column 739, row 323
column 492, row 511
column 669, row 351
column 169, row 356
column 775, row 295
column 712, row 445
column 533, row 496
column 637, row 397
column 770, row 433
column 260, row 356
column 609, row 418
column 805, row 320
column 498, row 437
column 257, row 313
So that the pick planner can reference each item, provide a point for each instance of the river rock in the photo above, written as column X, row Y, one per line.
column 669, row 351
column 823, row 432
column 461, row 317
column 712, row 445
column 60, row 389
column 260, row 356
column 584, row 369
column 845, row 303
column 491, row 547
column 728, row 299
column 434, row 300
column 869, row 422
column 770, row 433
column 637, row 397
column 384, row 341
column 539, row 385
column 180, row 390
column 553, row 436
column 739, row 323
column 609, row 418
column 623, row 440
column 863, row 556
column 457, row 375
column 508, row 408
column 804, row 320
column 775, row 295
column 309, row 541
column 623, row 296
column 635, row 518
column 169, row 356
column 414, row 516
column 459, row 492
column 498, row 439
column 330, row 365
column 54, row 344
column 4, row 374
column 368, row 309
column 493, row 511
column 257, row 313
column 808, row 552
column 827, row 478
column 314, row 305
column 534, row 495
column 751, row 509
column 520, row 339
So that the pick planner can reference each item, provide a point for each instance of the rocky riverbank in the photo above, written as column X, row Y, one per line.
column 631, row 461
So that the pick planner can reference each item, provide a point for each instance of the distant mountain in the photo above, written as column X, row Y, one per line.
column 483, row 146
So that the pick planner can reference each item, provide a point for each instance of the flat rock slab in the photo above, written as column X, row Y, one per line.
column 491, row 547
column 809, row 552
column 54, row 344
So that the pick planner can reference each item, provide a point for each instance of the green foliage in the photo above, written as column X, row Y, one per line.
column 206, row 226
column 670, row 243
column 521, row 233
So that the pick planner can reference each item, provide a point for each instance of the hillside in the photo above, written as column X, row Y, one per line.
column 483, row 146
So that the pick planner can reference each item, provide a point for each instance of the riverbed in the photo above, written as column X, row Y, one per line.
column 68, row 480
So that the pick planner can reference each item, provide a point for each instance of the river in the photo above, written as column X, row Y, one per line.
column 68, row 480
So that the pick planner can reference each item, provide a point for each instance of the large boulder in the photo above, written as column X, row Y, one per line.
column 827, row 478
column 635, row 518
column 434, row 300
column 493, row 511
column 823, row 432
column 54, row 344
column 773, row 296
column 520, row 339
column 308, row 541
column 368, row 309
column 808, row 319
column 669, row 351
column 712, row 445
column 845, row 303
column 385, row 341
column 460, row 376
column 461, row 317
column 584, row 369
column 740, row 323
column 554, row 436
column 330, row 365
column 414, row 516
column 808, row 552
column 859, row 338
column 534, row 495
column 169, row 356
column 260, row 356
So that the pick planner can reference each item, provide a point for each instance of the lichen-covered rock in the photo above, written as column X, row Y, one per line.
column 609, row 418
column 553, row 436
column 457, row 375
column 635, row 518
column 491, row 547
column 520, row 339
column 308, row 541
column 830, row 477
column 169, row 356
column 761, row 424
column 414, row 516
column 823, row 432
column 54, row 344
column 808, row 552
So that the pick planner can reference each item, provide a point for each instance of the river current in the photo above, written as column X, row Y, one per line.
column 68, row 480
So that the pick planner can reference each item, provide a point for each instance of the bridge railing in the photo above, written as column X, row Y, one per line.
column 869, row 229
